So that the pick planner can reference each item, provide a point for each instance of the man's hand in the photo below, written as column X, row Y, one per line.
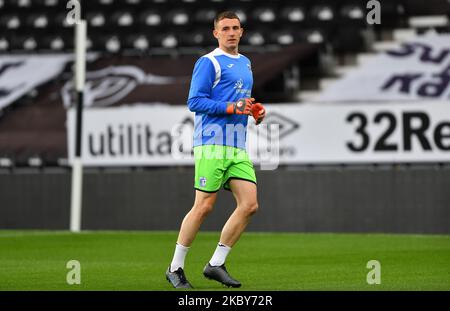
column 242, row 106
column 258, row 112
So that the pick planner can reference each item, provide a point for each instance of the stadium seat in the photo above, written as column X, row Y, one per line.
column 178, row 17
column 22, row 42
column 139, row 42
column 352, row 14
column 54, row 43
column 314, row 35
column 264, row 15
column 167, row 40
column 112, row 43
column 10, row 21
column 322, row 16
column 254, row 38
column 4, row 44
column 283, row 37
column 151, row 18
column 324, row 12
column 293, row 14
column 96, row 19
column 37, row 20
column 122, row 19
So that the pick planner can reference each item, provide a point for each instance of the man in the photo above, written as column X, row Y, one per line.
column 220, row 96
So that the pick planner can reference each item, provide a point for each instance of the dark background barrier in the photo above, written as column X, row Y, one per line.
column 400, row 199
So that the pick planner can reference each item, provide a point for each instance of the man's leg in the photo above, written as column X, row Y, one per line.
column 203, row 205
column 247, row 204
column 207, row 181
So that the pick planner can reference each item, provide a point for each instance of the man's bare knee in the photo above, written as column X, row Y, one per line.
column 249, row 208
column 202, row 209
column 203, row 204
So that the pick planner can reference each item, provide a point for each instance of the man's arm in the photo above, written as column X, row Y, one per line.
column 202, row 83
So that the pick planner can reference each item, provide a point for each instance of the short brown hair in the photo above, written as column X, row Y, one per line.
column 223, row 15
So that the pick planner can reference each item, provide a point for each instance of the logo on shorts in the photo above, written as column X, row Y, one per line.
column 202, row 182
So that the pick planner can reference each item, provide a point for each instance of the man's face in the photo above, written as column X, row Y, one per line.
column 228, row 32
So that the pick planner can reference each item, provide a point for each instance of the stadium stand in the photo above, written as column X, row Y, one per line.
column 21, row 20
column 311, row 37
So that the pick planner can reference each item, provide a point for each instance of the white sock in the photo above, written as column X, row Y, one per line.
column 220, row 255
column 178, row 257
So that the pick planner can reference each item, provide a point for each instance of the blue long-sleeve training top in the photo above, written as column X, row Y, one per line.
column 219, row 78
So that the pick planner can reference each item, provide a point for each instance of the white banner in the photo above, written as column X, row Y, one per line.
column 290, row 134
column 20, row 74
column 417, row 70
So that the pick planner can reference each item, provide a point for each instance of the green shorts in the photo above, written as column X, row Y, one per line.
column 216, row 165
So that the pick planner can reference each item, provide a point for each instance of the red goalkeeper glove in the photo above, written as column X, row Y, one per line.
column 258, row 112
column 242, row 106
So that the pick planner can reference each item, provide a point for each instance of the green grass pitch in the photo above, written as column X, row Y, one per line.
column 36, row 260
